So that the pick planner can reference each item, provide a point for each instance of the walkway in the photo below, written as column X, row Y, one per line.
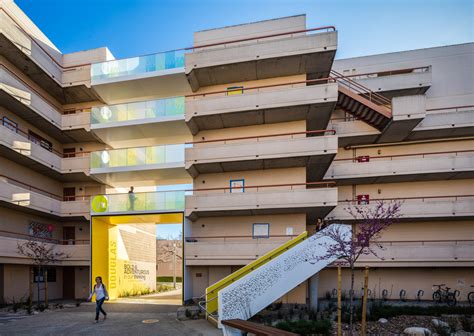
column 122, row 319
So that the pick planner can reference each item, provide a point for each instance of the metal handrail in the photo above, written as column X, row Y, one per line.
column 361, row 89
column 354, row 159
column 249, row 88
column 449, row 108
column 332, row 131
column 229, row 42
column 231, row 237
column 49, row 240
column 22, row 133
column 45, row 192
column 410, row 198
column 323, row 184
column 390, row 72
column 203, row 305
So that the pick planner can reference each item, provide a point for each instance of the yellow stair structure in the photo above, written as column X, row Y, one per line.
column 211, row 305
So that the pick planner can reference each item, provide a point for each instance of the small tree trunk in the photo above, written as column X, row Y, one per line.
column 46, row 288
column 351, row 301
column 30, row 289
column 38, row 283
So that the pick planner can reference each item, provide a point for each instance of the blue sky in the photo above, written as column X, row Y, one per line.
column 131, row 28
column 168, row 231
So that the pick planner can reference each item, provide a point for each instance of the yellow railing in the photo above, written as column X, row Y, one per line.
column 212, row 291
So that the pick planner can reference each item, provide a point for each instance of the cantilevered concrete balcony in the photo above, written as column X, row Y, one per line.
column 64, row 76
column 397, row 82
column 257, row 57
column 118, row 125
column 140, row 165
column 229, row 250
column 430, row 253
column 16, row 194
column 403, row 168
column 18, row 96
column 352, row 131
column 77, row 254
column 16, row 146
column 143, row 77
column 262, row 105
column 445, row 122
column 138, row 203
column 316, row 202
column 301, row 149
column 418, row 208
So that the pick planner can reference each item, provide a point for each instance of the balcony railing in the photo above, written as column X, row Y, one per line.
column 138, row 111
column 171, row 59
column 43, row 192
column 137, row 65
column 423, row 251
column 376, row 74
column 157, row 201
column 15, row 129
column 11, row 234
column 265, row 188
column 138, row 156
column 367, row 158
column 258, row 138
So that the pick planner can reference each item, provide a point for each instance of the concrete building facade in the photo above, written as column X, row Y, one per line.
column 249, row 138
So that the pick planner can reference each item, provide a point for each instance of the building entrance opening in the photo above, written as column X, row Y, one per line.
column 139, row 257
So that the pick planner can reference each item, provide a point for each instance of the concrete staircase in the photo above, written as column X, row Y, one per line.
column 356, row 99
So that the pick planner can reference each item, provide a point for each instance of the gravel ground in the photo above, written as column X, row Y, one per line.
column 396, row 325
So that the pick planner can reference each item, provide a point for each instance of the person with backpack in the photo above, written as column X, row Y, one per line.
column 100, row 296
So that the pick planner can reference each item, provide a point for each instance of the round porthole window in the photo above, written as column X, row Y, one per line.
column 105, row 112
column 105, row 157
column 100, row 203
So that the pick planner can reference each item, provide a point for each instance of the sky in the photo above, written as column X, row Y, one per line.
column 365, row 27
column 168, row 231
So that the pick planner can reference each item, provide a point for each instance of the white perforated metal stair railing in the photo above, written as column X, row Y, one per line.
column 250, row 294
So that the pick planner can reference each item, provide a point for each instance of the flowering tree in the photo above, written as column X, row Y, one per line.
column 42, row 254
column 370, row 222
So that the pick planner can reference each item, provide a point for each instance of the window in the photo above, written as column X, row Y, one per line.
column 235, row 90
column 39, row 140
column 39, row 277
column 10, row 124
column 237, row 186
column 261, row 230
column 69, row 152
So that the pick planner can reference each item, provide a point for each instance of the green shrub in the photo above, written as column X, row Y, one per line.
column 306, row 327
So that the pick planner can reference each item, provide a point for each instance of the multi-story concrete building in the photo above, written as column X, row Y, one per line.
column 273, row 133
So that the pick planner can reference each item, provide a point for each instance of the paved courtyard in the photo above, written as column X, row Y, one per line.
column 122, row 319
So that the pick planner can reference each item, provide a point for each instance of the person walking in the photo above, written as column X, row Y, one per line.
column 100, row 296
column 131, row 199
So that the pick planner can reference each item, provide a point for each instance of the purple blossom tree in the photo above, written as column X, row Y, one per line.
column 370, row 222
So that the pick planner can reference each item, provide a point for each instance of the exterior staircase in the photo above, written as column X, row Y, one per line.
column 250, row 289
column 368, row 106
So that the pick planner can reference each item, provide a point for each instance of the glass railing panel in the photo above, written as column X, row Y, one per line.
column 129, row 157
column 138, row 202
column 137, row 111
column 137, row 65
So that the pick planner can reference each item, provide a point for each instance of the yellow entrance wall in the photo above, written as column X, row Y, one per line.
column 124, row 252
column 100, row 251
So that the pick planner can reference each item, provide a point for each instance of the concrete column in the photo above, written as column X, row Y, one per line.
column 313, row 291
column 187, row 278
